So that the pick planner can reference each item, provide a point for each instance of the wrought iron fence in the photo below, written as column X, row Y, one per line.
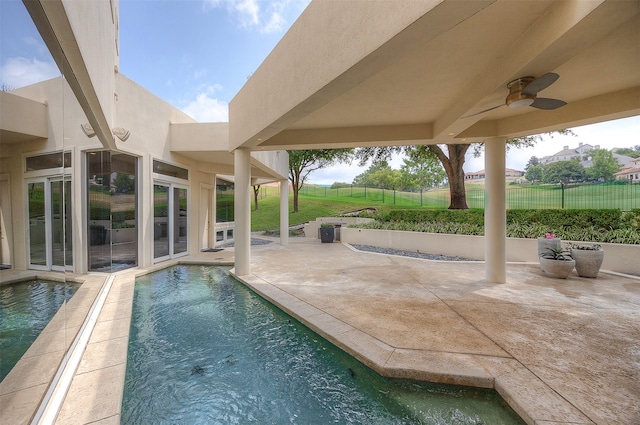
column 624, row 196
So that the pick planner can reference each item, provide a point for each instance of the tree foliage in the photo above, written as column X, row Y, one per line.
column 420, row 172
column 379, row 175
column 452, row 160
column 564, row 172
column 304, row 162
column 632, row 152
column 534, row 173
column 604, row 166
column 532, row 161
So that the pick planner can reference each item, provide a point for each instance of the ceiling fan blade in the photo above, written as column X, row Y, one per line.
column 540, row 83
column 482, row 112
column 548, row 104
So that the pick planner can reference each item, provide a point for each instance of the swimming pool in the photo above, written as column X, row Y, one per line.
column 25, row 310
column 203, row 348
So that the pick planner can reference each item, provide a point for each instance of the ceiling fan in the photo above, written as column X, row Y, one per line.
column 524, row 92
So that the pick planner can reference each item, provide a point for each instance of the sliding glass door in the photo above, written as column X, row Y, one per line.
column 49, row 229
column 169, row 221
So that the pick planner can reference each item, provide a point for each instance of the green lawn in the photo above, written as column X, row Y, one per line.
column 316, row 201
column 268, row 215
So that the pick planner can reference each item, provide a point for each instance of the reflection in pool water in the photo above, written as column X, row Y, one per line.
column 205, row 349
column 25, row 309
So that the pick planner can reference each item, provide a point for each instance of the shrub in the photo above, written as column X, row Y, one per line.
column 590, row 225
column 471, row 216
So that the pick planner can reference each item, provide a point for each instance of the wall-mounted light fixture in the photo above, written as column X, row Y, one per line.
column 88, row 130
column 121, row 133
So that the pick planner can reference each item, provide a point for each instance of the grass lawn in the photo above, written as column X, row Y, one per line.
column 268, row 215
column 318, row 201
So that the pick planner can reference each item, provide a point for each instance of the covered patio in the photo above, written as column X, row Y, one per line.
column 363, row 74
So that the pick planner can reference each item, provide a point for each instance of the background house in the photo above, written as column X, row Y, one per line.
column 583, row 154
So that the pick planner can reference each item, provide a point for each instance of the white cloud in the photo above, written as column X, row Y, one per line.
column 206, row 108
column 19, row 71
column 267, row 16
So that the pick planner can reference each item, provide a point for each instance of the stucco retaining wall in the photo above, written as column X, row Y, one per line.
column 620, row 258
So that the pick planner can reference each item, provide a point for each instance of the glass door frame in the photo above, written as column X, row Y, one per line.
column 171, row 230
column 47, row 181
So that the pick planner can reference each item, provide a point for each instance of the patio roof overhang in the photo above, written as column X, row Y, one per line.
column 21, row 119
column 351, row 74
column 208, row 143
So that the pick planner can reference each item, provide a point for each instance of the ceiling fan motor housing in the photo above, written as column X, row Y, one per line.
column 517, row 99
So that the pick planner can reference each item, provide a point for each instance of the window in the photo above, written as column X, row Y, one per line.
column 48, row 161
column 224, row 201
column 165, row 169
column 112, row 212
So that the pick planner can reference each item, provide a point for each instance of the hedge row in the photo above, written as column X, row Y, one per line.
column 554, row 219
column 590, row 225
column 514, row 230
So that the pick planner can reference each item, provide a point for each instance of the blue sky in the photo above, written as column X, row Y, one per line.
column 197, row 54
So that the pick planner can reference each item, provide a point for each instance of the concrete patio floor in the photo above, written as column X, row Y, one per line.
column 558, row 351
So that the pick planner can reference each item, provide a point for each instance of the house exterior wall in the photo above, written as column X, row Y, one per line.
column 149, row 119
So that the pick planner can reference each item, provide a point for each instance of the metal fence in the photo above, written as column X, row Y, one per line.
column 623, row 196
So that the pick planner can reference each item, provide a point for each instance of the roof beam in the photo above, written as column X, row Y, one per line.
column 348, row 137
column 534, row 41
column 53, row 24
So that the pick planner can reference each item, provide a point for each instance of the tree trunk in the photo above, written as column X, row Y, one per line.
column 294, row 176
column 295, row 198
column 256, row 191
column 453, row 166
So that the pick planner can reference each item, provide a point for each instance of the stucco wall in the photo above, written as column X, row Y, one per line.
column 620, row 258
column 94, row 25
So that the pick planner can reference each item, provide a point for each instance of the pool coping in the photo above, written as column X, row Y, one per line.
column 23, row 389
column 533, row 400
column 95, row 395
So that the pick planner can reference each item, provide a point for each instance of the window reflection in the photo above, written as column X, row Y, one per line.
column 113, row 239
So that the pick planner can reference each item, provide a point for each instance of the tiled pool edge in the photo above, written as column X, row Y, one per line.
column 533, row 400
column 23, row 389
column 96, row 393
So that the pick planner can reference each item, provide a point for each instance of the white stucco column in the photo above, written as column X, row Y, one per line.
column 242, row 210
column 284, row 212
column 495, row 215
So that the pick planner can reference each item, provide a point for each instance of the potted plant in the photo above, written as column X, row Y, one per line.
column 588, row 259
column 327, row 233
column 549, row 240
column 557, row 262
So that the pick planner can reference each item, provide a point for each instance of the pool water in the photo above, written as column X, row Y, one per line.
column 204, row 349
column 25, row 309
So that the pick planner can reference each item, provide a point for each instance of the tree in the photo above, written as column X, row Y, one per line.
column 421, row 173
column 453, row 160
column 339, row 185
column 256, row 192
column 379, row 175
column 632, row 152
column 564, row 172
column 604, row 166
column 534, row 173
column 124, row 183
column 303, row 162
column 532, row 161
